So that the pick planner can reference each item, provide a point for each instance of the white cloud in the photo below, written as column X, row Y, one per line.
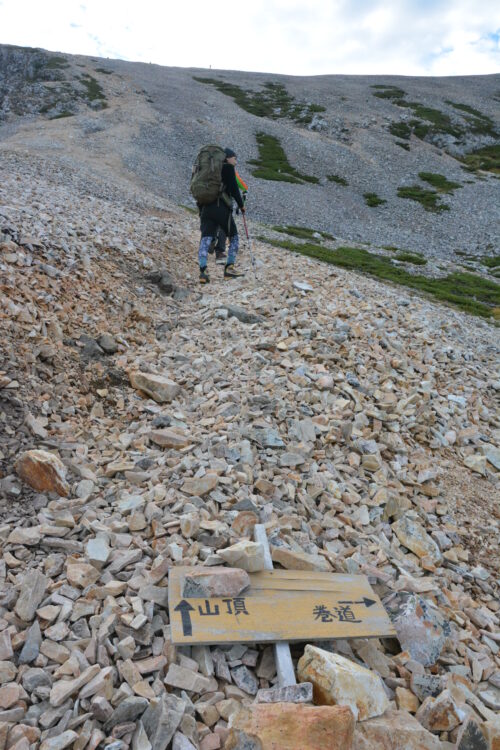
column 300, row 37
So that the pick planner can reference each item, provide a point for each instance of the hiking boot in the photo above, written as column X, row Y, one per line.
column 204, row 277
column 230, row 272
column 220, row 258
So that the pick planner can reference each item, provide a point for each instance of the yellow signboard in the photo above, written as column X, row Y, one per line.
column 279, row 605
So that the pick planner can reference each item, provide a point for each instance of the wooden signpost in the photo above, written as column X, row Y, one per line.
column 279, row 605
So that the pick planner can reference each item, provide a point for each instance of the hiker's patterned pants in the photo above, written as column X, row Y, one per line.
column 205, row 246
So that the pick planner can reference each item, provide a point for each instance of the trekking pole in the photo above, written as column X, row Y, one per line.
column 252, row 257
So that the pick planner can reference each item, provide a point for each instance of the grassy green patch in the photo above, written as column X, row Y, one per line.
column 302, row 233
column 479, row 122
column 273, row 164
column 373, row 200
column 394, row 93
column 104, row 70
column 465, row 290
column 493, row 263
column 336, row 178
column 56, row 63
column 414, row 258
column 487, row 159
column 400, row 129
column 428, row 198
column 273, row 101
column 403, row 144
column 429, row 121
column 439, row 182
column 94, row 90
column 64, row 113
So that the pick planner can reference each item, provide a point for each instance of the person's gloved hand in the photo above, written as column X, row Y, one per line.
column 243, row 210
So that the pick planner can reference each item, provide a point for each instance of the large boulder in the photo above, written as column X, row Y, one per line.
column 277, row 726
column 340, row 681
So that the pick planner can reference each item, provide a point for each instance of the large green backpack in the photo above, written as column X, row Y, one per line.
column 206, row 182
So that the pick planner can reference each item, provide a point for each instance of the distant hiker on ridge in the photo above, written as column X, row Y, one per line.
column 214, row 187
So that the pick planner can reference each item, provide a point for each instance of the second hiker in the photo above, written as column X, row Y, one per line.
column 219, row 215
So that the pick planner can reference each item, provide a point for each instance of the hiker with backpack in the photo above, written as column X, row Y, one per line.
column 219, row 246
column 214, row 187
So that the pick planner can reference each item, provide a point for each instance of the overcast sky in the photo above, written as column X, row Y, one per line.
column 298, row 37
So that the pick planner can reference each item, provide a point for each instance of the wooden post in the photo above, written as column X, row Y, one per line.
column 282, row 655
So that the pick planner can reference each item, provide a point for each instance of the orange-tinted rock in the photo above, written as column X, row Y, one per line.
column 295, row 727
column 43, row 471
column 441, row 714
column 340, row 681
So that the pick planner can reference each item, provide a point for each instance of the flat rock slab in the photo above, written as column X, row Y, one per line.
column 292, row 726
column 161, row 389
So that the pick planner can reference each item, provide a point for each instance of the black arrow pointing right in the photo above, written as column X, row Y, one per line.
column 367, row 602
column 185, row 608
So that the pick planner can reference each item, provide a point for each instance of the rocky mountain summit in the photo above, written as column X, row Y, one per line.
column 148, row 424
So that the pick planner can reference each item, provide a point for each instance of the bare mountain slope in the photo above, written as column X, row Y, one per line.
column 145, row 123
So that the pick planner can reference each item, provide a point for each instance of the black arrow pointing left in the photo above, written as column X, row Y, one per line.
column 185, row 608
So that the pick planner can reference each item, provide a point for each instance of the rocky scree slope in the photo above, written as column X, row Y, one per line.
column 358, row 423
column 356, row 135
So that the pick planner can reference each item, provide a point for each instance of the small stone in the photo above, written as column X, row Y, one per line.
column 190, row 525
column 209, row 582
column 6, row 651
column 337, row 680
column 31, row 647
column 471, row 736
column 201, row 486
column 66, row 688
column 108, row 343
column 292, row 560
column 157, row 387
column 244, row 523
column 170, row 438
column 246, row 555
column 82, row 574
column 301, row 693
column 9, row 695
column 397, row 730
column 128, row 710
column 441, row 714
column 29, row 536
column 186, row 679
column 181, row 742
column 415, row 538
column 406, row 701
column 98, row 551
column 162, row 719
column 245, row 680
column 43, row 471
column 291, row 460
column 31, row 595
column 35, row 678
column 421, row 628
column 60, row 742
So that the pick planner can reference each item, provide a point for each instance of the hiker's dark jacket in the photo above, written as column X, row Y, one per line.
column 219, row 214
column 228, row 177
